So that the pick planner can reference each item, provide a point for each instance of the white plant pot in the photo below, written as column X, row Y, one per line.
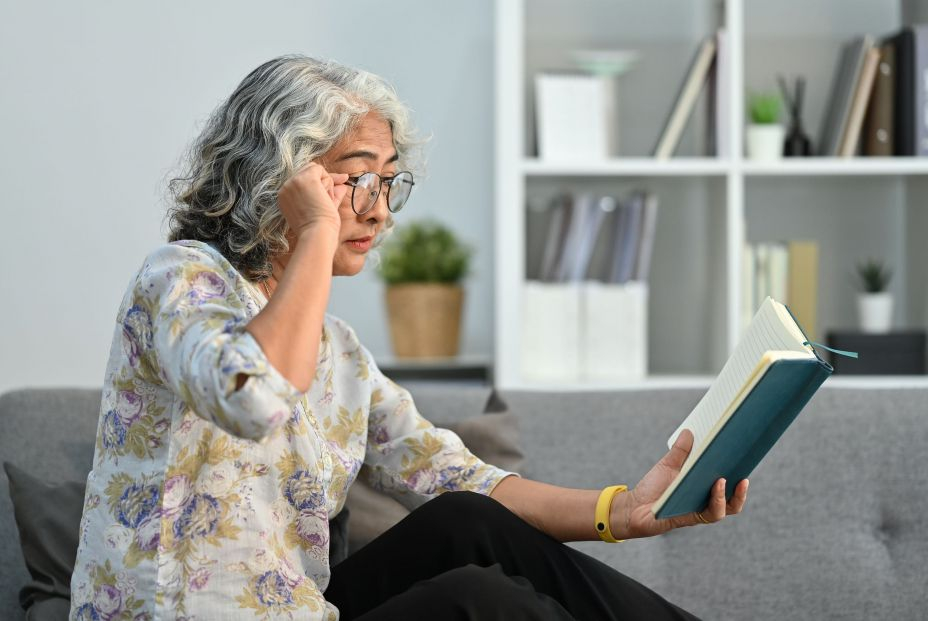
column 876, row 312
column 765, row 142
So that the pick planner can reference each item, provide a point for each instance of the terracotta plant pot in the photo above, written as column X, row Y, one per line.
column 425, row 319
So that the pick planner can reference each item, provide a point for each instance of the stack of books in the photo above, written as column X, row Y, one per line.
column 784, row 271
column 590, row 237
column 877, row 100
column 586, row 294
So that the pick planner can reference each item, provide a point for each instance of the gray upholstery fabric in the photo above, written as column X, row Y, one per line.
column 834, row 528
column 48, row 517
column 836, row 520
column 49, row 433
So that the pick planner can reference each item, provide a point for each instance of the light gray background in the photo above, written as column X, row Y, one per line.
column 99, row 100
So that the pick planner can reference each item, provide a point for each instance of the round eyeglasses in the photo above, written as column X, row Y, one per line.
column 366, row 188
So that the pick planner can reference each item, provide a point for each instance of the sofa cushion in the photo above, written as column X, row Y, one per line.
column 49, row 433
column 48, row 517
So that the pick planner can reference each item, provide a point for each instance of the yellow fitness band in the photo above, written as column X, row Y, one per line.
column 603, row 506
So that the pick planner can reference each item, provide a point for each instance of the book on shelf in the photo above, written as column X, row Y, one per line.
column 802, row 284
column 575, row 116
column 879, row 97
column 904, row 111
column 696, row 77
column 766, row 382
column 844, row 86
column 646, row 244
column 624, row 253
column 589, row 237
column 718, row 110
column 862, row 91
column 921, row 89
column 786, row 271
column 878, row 125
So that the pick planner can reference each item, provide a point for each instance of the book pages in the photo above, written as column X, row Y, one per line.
column 772, row 329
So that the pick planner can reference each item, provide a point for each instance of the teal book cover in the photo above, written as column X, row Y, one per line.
column 749, row 433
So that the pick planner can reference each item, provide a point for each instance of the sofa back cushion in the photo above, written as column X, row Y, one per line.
column 836, row 516
column 50, row 434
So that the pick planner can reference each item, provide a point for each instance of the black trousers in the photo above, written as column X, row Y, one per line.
column 465, row 556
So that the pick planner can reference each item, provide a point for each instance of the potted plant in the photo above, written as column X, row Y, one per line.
column 764, row 135
column 423, row 265
column 875, row 303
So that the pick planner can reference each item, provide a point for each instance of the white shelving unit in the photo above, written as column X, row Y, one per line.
column 709, row 206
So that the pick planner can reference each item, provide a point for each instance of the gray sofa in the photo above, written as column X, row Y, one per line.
column 836, row 526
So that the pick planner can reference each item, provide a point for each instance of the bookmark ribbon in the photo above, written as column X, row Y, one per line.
column 849, row 354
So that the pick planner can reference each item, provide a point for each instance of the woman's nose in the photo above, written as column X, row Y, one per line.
column 379, row 211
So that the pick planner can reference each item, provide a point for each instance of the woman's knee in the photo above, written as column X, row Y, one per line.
column 461, row 506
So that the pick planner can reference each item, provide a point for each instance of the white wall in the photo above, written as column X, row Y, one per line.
column 100, row 98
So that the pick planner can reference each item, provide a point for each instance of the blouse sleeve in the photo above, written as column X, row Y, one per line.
column 184, row 325
column 407, row 452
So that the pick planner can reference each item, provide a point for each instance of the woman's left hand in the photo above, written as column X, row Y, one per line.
column 633, row 516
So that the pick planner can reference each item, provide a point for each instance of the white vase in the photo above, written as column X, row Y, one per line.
column 876, row 312
column 765, row 142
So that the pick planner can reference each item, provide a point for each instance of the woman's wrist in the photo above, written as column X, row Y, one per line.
column 320, row 230
column 620, row 514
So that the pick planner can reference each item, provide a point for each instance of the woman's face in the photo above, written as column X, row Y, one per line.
column 368, row 149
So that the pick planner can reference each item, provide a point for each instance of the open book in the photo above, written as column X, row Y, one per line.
column 764, row 385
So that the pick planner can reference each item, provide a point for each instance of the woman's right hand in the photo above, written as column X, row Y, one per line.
column 311, row 198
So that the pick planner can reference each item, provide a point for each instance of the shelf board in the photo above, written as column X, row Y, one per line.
column 651, row 382
column 671, row 382
column 837, row 166
column 627, row 167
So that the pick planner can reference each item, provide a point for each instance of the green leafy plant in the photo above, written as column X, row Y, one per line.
column 424, row 251
column 874, row 276
column 764, row 108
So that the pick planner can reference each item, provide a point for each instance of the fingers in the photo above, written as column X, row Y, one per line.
column 718, row 508
column 338, row 193
column 736, row 504
column 715, row 510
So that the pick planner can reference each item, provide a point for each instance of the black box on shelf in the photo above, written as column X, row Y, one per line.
column 894, row 353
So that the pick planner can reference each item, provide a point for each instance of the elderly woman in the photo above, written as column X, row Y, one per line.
column 236, row 413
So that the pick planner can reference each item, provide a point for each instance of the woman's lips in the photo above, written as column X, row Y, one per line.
column 362, row 243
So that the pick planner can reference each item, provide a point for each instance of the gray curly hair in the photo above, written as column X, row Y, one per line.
column 285, row 113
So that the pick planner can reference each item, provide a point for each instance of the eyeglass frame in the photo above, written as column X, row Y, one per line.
column 392, row 178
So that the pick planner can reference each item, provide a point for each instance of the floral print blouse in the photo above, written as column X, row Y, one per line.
column 206, row 502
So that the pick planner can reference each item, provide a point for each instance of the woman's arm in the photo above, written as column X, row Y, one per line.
column 289, row 328
column 567, row 514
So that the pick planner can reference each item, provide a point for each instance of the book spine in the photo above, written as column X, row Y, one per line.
column 686, row 99
column 878, row 133
column 802, row 298
column 921, row 90
column 859, row 105
column 904, row 108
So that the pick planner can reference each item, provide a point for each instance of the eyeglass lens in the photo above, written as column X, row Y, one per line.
column 367, row 190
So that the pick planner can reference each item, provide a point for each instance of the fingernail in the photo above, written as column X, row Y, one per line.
column 722, row 484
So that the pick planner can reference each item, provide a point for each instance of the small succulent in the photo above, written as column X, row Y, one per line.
column 424, row 251
column 764, row 108
column 874, row 276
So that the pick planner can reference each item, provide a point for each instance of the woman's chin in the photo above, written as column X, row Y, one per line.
column 350, row 267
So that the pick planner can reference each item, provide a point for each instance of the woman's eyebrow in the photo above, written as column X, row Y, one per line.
column 366, row 155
